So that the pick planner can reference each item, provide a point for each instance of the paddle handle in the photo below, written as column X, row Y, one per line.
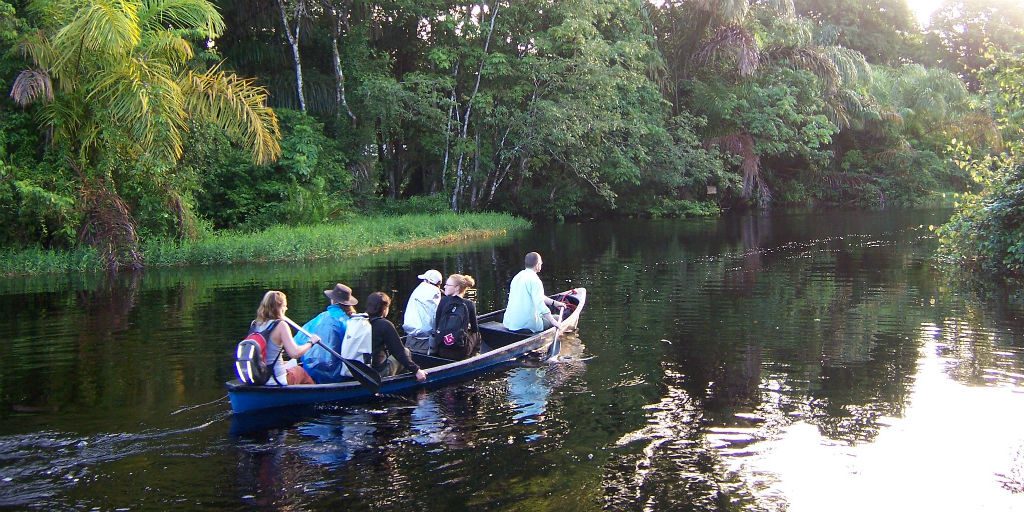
column 307, row 333
column 298, row 327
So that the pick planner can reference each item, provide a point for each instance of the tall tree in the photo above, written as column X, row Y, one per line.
column 960, row 30
column 884, row 31
column 294, row 36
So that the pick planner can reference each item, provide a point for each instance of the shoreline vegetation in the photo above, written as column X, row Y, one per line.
column 281, row 243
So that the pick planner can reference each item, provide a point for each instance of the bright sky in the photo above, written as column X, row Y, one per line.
column 923, row 9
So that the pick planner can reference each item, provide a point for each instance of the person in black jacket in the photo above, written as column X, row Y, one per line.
column 388, row 350
column 454, row 294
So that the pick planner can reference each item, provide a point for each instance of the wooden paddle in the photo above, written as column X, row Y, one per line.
column 366, row 375
column 556, row 346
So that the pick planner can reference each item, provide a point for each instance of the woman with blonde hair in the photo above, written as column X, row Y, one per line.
column 269, row 322
column 464, row 341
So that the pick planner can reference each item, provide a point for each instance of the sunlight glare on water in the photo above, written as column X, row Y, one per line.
column 957, row 447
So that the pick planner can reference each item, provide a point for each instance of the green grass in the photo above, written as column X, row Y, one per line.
column 283, row 243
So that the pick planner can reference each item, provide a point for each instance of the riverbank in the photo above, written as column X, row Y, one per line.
column 282, row 243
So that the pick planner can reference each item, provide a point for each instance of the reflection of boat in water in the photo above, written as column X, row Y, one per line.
column 499, row 346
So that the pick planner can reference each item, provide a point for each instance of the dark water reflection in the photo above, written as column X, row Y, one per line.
column 786, row 362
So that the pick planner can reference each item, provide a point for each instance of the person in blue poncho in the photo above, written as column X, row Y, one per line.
column 330, row 325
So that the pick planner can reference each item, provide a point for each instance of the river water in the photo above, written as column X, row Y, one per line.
column 778, row 362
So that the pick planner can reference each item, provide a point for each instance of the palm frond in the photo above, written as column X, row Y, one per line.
column 37, row 48
column 143, row 100
column 837, row 112
column 895, row 154
column 891, row 115
column 733, row 40
column 742, row 144
column 30, row 86
column 827, row 35
column 237, row 106
column 168, row 46
column 181, row 15
column 809, row 59
column 852, row 66
column 108, row 28
column 727, row 11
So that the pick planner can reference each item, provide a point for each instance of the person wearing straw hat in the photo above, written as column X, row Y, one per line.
column 420, row 310
column 330, row 326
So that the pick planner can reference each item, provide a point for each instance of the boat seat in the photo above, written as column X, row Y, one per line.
column 495, row 335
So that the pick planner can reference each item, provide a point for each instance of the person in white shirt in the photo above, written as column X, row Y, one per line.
column 420, row 311
column 527, row 308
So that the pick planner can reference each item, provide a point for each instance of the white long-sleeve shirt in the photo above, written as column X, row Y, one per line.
column 526, row 298
column 420, row 311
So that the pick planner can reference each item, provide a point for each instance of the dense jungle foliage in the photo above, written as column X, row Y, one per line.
column 136, row 120
column 987, row 230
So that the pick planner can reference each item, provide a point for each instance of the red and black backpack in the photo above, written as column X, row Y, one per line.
column 250, row 357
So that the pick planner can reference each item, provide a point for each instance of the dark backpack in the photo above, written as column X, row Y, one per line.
column 451, row 332
column 250, row 357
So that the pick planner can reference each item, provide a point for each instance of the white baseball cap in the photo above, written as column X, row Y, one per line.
column 431, row 276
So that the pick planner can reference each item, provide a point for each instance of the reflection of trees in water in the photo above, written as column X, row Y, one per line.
column 105, row 311
column 978, row 352
column 754, row 233
column 826, row 330
column 668, row 463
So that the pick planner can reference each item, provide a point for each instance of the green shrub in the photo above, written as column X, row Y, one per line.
column 31, row 215
column 308, row 184
column 684, row 208
column 436, row 203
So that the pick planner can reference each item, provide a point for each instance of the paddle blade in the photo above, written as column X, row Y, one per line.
column 366, row 375
column 554, row 348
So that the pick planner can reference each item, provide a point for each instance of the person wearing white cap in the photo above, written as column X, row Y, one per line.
column 420, row 311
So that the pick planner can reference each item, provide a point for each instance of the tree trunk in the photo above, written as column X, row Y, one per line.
column 109, row 226
column 293, row 41
column 469, row 107
column 339, row 75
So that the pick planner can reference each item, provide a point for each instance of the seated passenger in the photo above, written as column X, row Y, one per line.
column 269, row 322
column 456, row 333
column 527, row 309
column 321, row 364
column 420, row 311
column 388, row 350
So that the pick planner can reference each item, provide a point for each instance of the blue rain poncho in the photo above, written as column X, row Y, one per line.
column 321, row 365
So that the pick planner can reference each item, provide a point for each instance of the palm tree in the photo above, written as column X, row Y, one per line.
column 115, row 78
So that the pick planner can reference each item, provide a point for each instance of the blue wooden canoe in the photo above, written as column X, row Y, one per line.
column 499, row 346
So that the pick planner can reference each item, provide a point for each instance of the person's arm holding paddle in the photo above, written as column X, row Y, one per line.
column 386, row 340
column 542, row 303
column 395, row 347
column 294, row 350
